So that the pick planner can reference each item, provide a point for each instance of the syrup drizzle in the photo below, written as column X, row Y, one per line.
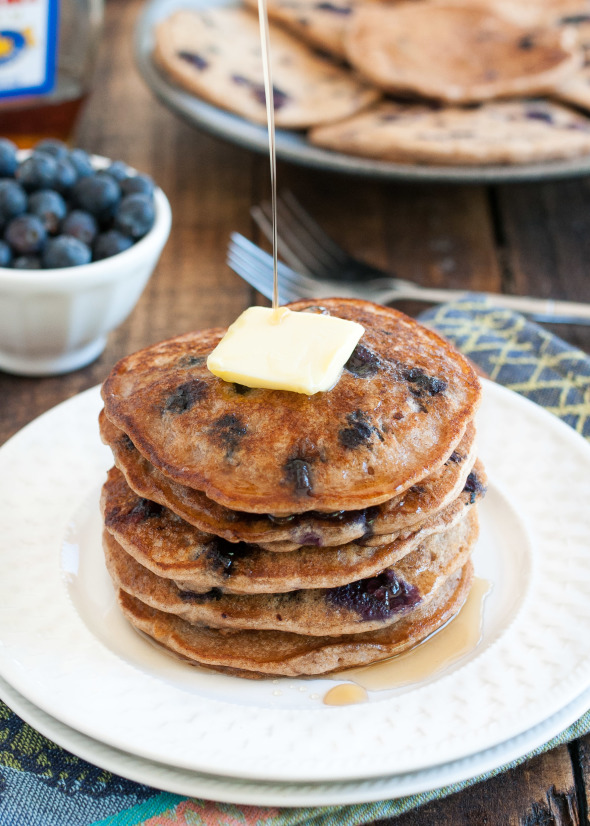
column 463, row 634
column 456, row 639
column 270, row 117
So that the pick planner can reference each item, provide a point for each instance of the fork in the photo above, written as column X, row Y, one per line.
column 323, row 268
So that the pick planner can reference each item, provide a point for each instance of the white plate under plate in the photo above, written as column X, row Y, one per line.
column 294, row 147
column 259, row 793
column 67, row 651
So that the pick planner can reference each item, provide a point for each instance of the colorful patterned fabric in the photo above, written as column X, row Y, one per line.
column 43, row 785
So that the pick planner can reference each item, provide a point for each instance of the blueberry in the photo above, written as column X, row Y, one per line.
column 118, row 170
column 299, row 473
column 110, row 243
column 81, row 162
column 135, row 215
column 65, row 251
column 8, row 161
column 474, row 486
column 5, row 254
column 185, row 397
column 50, row 207
column 52, row 146
column 98, row 194
column 141, row 184
column 13, row 200
column 333, row 8
column 81, row 225
column 27, row 262
column 423, row 384
column 375, row 598
column 363, row 362
column 65, row 176
column 194, row 59
column 37, row 172
column 25, row 234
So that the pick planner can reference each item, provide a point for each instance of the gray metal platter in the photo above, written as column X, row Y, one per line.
column 294, row 147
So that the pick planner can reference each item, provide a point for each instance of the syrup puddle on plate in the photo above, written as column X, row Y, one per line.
column 456, row 639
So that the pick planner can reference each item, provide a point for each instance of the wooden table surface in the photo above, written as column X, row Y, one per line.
column 526, row 239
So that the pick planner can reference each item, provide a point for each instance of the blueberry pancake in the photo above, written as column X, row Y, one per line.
column 173, row 549
column 576, row 88
column 216, row 54
column 397, row 413
column 320, row 23
column 531, row 13
column 457, row 54
column 267, row 653
column 288, row 533
column 363, row 605
column 503, row 132
column 263, row 532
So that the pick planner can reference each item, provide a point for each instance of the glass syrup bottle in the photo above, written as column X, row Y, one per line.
column 47, row 56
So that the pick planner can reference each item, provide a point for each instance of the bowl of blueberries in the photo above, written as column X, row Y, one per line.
column 80, row 236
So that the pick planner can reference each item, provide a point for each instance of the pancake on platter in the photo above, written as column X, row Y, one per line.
column 215, row 53
column 364, row 605
column 457, row 54
column 267, row 653
column 499, row 132
column 395, row 416
column 279, row 534
column 171, row 548
column 322, row 25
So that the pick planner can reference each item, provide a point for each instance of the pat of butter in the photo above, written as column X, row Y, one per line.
column 285, row 350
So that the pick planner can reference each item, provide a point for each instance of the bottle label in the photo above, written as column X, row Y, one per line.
column 28, row 47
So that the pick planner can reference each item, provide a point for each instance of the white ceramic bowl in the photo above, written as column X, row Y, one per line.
column 55, row 321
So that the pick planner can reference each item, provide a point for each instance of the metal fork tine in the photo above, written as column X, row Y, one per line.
column 291, row 247
column 302, row 283
column 255, row 266
column 303, row 246
column 305, row 220
column 262, row 216
column 301, row 241
column 251, row 273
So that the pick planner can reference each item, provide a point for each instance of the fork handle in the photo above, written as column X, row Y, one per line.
column 568, row 312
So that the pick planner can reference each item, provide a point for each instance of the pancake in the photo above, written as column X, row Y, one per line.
column 502, row 132
column 531, row 13
column 457, row 54
column 317, row 22
column 267, row 653
column 360, row 606
column 216, row 54
column 399, row 410
column 576, row 88
column 289, row 533
column 171, row 548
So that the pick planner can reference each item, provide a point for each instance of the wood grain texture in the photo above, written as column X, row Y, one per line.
column 541, row 792
column 525, row 239
column 544, row 244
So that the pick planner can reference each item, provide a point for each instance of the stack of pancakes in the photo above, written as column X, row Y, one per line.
column 264, row 532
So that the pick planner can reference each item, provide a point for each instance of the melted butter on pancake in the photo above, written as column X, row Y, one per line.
column 284, row 350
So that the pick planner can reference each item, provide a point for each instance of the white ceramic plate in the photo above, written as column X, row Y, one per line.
column 253, row 793
column 293, row 146
column 65, row 648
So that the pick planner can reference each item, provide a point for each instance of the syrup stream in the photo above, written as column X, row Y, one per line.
column 270, row 116
column 460, row 636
